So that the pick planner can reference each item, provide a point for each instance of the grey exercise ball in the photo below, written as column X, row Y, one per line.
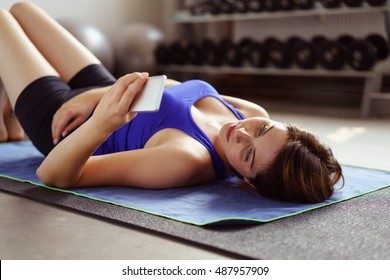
column 93, row 39
column 134, row 46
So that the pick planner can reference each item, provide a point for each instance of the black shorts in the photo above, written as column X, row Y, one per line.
column 40, row 100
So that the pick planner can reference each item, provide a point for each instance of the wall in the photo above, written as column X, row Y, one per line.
column 108, row 15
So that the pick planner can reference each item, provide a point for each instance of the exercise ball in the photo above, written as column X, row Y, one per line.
column 134, row 46
column 93, row 39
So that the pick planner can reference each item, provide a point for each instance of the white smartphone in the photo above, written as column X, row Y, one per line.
column 149, row 99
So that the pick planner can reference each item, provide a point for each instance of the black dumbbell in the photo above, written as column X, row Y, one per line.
column 331, row 3
column 353, row 3
column 279, row 53
column 213, row 6
column 244, row 47
column 286, row 5
column 376, row 3
column 331, row 54
column 211, row 55
column 198, row 8
column 271, row 5
column 304, row 4
column 362, row 54
column 258, row 56
column 162, row 54
column 304, row 54
column 227, row 6
column 185, row 52
column 255, row 5
column 240, row 6
column 230, row 53
column 381, row 45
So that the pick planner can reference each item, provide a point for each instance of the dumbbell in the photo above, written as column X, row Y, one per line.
column 362, row 54
column 240, row 6
column 255, row 5
column 211, row 55
column 162, row 54
column 231, row 53
column 331, row 3
column 185, row 52
column 304, row 54
column 376, row 3
column 331, row 53
column 253, row 52
column 271, row 5
column 227, row 6
column 304, row 4
column 279, row 53
column 353, row 3
column 286, row 5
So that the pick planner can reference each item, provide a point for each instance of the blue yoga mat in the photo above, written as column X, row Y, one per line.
column 219, row 202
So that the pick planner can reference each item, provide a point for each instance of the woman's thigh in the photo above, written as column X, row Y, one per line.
column 61, row 49
column 20, row 61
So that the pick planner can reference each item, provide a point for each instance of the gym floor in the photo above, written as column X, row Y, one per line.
column 32, row 230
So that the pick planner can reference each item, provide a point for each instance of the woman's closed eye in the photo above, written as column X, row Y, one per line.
column 248, row 154
column 261, row 130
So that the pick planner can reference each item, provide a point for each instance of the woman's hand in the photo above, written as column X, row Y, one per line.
column 112, row 111
column 73, row 113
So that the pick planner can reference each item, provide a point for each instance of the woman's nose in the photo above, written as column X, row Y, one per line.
column 242, row 135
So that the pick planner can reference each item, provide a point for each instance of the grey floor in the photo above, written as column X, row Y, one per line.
column 32, row 230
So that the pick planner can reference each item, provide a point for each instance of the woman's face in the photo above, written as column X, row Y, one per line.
column 251, row 144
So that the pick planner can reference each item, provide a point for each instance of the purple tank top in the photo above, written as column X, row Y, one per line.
column 175, row 112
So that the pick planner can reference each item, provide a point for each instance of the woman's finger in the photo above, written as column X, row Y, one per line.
column 132, row 90
column 60, row 120
column 122, row 83
column 76, row 122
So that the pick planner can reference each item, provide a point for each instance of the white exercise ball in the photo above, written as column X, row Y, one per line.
column 134, row 46
column 93, row 39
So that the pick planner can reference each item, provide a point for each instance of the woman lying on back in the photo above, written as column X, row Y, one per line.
column 78, row 115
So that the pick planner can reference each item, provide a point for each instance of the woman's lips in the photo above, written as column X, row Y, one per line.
column 229, row 131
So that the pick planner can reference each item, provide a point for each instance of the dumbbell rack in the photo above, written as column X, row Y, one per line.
column 373, row 79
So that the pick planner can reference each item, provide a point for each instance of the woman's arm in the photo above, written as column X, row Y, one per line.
column 64, row 165
column 247, row 108
column 75, row 111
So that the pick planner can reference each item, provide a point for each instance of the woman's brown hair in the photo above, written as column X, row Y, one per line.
column 304, row 170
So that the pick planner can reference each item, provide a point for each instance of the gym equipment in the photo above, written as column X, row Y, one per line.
column 258, row 56
column 271, row 5
column 135, row 45
column 241, row 6
column 255, row 5
column 178, row 52
column 93, row 39
column 304, row 54
column 163, row 54
column 331, row 54
column 363, row 53
column 227, row 6
column 286, row 5
column 279, row 53
column 231, row 53
column 304, row 4
column 376, row 3
column 353, row 3
column 331, row 4
column 211, row 55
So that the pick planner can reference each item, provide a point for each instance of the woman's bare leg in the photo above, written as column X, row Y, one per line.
column 63, row 51
column 15, row 131
column 20, row 61
column 3, row 128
